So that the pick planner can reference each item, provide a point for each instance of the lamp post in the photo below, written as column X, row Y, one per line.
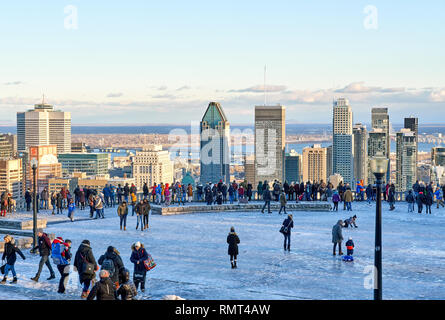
column 34, row 164
column 379, row 166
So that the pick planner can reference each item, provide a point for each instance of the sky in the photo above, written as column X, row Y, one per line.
column 153, row 62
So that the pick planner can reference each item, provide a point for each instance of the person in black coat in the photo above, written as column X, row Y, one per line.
column 10, row 255
column 104, row 289
column 118, row 265
column 28, row 199
column 138, row 256
column 288, row 224
column 44, row 246
column 420, row 199
column 127, row 291
column 267, row 197
column 233, row 241
column 428, row 201
column 84, row 258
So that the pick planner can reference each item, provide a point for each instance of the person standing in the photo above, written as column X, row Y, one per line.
column 420, row 199
column 138, row 256
column 391, row 197
column 410, row 200
column 122, row 212
column 104, row 289
column 112, row 262
column 428, row 201
column 283, row 202
column 146, row 212
column 233, row 241
column 266, row 197
column 99, row 207
column 61, row 255
column 288, row 224
column 44, row 195
column 337, row 236
column 54, row 202
column 71, row 208
column 86, row 266
column 44, row 246
column 348, row 197
column 335, row 199
column 139, row 215
column 28, row 199
column 59, row 203
column 10, row 255
column 439, row 196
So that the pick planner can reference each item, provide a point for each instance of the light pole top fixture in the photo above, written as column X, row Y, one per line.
column 34, row 163
column 379, row 164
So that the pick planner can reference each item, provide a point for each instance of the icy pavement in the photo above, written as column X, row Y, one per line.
column 191, row 255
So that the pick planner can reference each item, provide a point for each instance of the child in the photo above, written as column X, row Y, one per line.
column 71, row 208
column 350, row 222
column 350, row 247
column 335, row 200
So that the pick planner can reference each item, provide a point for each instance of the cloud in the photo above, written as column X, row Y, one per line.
column 162, row 88
column 115, row 95
column 260, row 88
column 183, row 88
column 13, row 83
column 360, row 87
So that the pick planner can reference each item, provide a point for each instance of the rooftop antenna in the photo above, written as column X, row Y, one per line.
column 265, row 101
column 43, row 99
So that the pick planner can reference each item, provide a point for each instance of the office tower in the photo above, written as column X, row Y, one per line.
column 11, row 144
column 438, row 156
column 360, row 153
column 342, row 148
column 270, row 135
column 79, row 147
column 292, row 163
column 90, row 163
column 314, row 164
column 380, row 120
column 406, row 166
column 412, row 123
column 152, row 165
column 44, row 126
column 329, row 171
column 11, row 177
column 377, row 142
column 48, row 165
column 5, row 148
column 215, row 145
column 249, row 170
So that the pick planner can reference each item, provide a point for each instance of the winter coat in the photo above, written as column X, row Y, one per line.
column 117, row 260
column 429, row 199
column 266, row 195
column 146, row 208
column 86, row 252
column 233, row 240
column 139, row 256
column 190, row 191
column 337, row 235
column 410, row 198
column 103, row 290
column 10, row 253
column 44, row 245
column 348, row 196
column 349, row 244
column 336, row 198
column 121, row 210
column 421, row 199
column 289, row 223
column 283, row 200
column 127, row 291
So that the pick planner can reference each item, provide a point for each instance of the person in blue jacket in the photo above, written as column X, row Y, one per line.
column 138, row 256
column 410, row 200
column 71, row 208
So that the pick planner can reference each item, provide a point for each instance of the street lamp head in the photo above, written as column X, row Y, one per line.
column 379, row 164
column 34, row 163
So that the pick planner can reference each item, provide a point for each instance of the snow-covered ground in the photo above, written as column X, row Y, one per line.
column 191, row 253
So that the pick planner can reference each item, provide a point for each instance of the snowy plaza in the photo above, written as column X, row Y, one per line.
column 192, row 261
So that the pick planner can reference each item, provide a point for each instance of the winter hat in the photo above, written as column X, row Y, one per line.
column 137, row 244
column 350, row 238
column 104, row 274
column 86, row 242
column 39, row 230
column 232, row 229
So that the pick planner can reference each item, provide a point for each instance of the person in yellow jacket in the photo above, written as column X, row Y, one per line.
column 162, row 192
column 133, row 202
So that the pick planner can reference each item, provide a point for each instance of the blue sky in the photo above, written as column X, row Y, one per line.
column 163, row 61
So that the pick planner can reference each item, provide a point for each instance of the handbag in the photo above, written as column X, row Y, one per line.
column 149, row 263
column 2, row 269
column 284, row 229
column 87, row 268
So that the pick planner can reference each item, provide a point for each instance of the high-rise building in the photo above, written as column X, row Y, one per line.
column 438, row 156
column 90, row 163
column 314, row 164
column 270, row 135
column 380, row 120
column 11, row 177
column 360, row 153
column 292, row 170
column 376, row 143
column 79, row 147
column 215, row 141
column 329, row 171
column 48, row 165
column 412, row 123
column 44, row 126
column 342, row 148
column 152, row 165
column 5, row 148
column 406, row 166
column 249, row 170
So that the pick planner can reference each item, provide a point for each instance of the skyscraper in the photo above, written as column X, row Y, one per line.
column 438, row 156
column 314, row 164
column 270, row 135
column 215, row 141
column 406, row 160
column 44, row 126
column 377, row 142
column 5, row 148
column 412, row 123
column 292, row 163
column 380, row 120
column 360, row 152
column 342, row 148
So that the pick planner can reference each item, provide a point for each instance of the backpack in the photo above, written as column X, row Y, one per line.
column 108, row 264
column 57, row 248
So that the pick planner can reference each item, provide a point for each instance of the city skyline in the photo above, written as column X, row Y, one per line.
column 157, row 59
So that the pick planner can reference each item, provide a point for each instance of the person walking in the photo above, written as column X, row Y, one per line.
column 44, row 246
column 336, row 199
column 233, row 241
column 138, row 256
column 391, row 197
column 10, row 255
column 146, row 212
column 267, row 197
column 112, row 262
column 104, row 289
column 71, row 209
column 122, row 212
column 86, row 266
column 288, row 224
column 139, row 215
column 127, row 290
column 337, row 236
column 61, row 254
column 283, row 202
column 439, row 196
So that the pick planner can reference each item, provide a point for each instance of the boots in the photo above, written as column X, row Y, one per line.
column 36, row 279
column 51, row 277
column 125, row 228
column 14, row 280
column 3, row 281
column 233, row 266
